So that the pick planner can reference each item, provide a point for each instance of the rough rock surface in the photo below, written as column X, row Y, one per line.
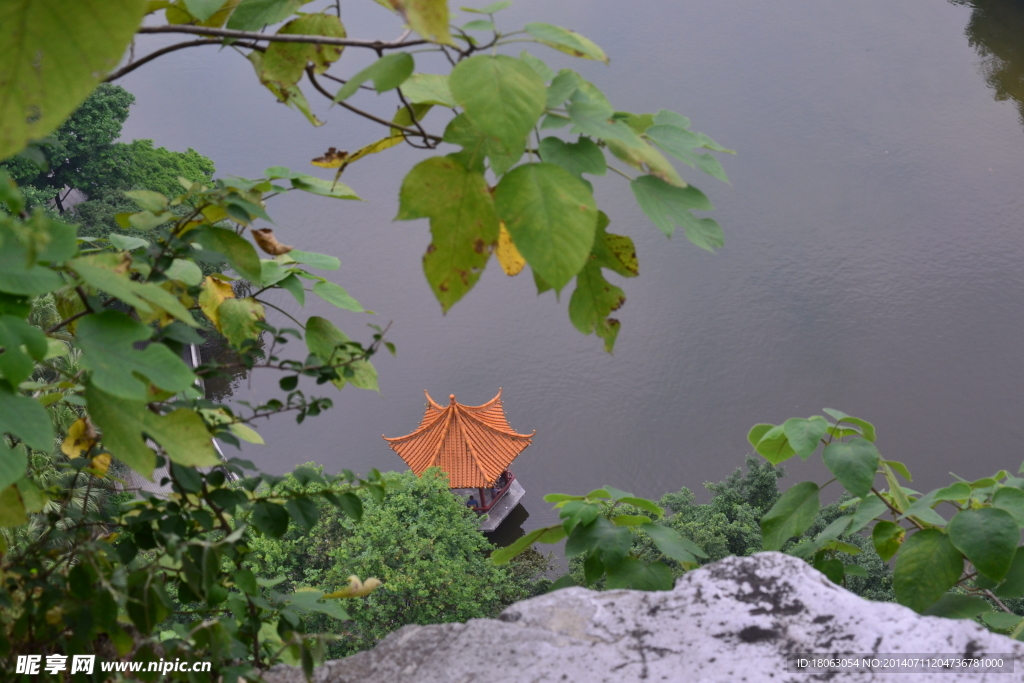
column 734, row 620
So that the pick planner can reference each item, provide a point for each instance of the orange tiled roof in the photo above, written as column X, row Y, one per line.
column 473, row 444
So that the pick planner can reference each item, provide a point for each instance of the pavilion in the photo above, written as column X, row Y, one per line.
column 474, row 445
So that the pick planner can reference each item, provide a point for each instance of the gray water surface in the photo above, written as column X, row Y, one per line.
column 872, row 261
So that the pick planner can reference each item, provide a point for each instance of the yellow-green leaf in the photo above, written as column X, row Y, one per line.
column 54, row 54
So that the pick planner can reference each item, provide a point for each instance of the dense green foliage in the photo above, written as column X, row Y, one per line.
column 83, row 154
column 957, row 548
column 135, row 575
column 420, row 541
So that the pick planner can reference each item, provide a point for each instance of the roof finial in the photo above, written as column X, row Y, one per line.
column 451, row 397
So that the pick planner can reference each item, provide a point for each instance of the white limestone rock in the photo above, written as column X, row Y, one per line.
column 731, row 621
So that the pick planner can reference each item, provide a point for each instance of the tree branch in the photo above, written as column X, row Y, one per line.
column 135, row 64
column 282, row 38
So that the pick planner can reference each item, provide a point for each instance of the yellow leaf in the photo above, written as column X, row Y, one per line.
column 214, row 213
column 214, row 293
column 511, row 260
column 356, row 588
column 81, row 437
column 101, row 463
column 245, row 433
column 375, row 147
column 429, row 18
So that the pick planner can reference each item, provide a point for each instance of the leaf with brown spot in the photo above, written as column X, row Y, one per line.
column 594, row 297
column 462, row 218
column 268, row 243
column 332, row 158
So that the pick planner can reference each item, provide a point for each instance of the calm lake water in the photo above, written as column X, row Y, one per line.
column 874, row 242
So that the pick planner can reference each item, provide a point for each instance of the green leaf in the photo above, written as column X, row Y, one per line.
column 245, row 433
column 952, row 606
column 1013, row 584
column 771, row 442
column 478, row 25
column 19, row 272
column 237, row 320
column 580, row 157
column 804, row 435
column 898, row 467
column 284, row 63
column 252, row 15
column 270, row 518
column 632, row 573
column 552, row 218
column 184, row 271
column 647, row 159
column 289, row 94
column 337, row 296
column 16, row 365
column 429, row 89
column 463, row 224
column 988, row 537
column 834, row 530
column 182, row 433
column 54, row 56
column 489, row 9
column 107, row 342
column 203, row 9
column 672, row 544
column 148, row 200
column 792, row 514
column 502, row 96
column 25, row 418
column 956, row 491
column 577, row 512
column 329, row 344
column 676, row 142
column 12, row 509
column 429, row 18
column 12, row 460
column 630, row 520
column 613, row 541
column 869, row 508
column 506, row 554
column 387, row 73
column 477, row 146
column 314, row 260
column 926, row 567
column 324, row 188
column 854, row 463
column 240, row 253
column 668, row 206
column 542, row 69
column 107, row 272
column 594, row 297
column 1009, row 499
column 127, row 242
column 294, row 287
column 1001, row 621
column 566, row 41
column 304, row 511
column 562, row 87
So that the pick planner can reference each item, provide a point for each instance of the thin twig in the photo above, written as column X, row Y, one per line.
column 281, row 38
column 135, row 64
column 365, row 114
